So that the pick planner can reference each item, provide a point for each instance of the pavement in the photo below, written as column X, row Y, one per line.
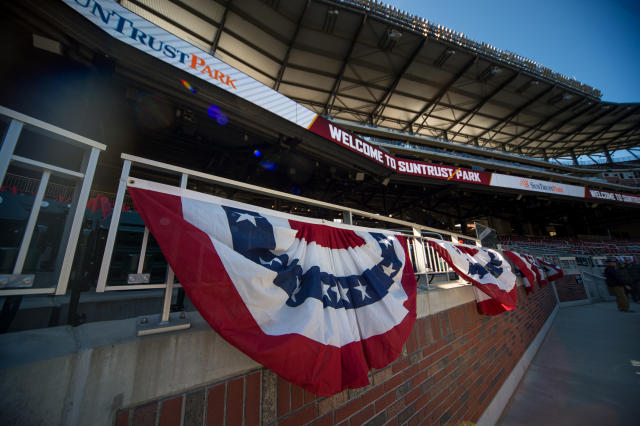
column 587, row 371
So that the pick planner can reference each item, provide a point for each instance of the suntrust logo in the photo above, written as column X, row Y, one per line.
column 540, row 186
column 124, row 26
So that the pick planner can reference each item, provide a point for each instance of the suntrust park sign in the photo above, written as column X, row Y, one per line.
column 328, row 130
column 139, row 33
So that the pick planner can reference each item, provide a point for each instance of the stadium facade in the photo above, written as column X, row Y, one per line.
column 300, row 107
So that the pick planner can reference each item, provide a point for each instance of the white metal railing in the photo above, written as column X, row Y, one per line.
column 16, row 283
column 425, row 260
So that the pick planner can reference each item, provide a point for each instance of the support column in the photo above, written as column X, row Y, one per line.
column 608, row 155
column 574, row 157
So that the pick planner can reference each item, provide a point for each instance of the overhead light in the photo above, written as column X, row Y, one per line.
column 359, row 176
column 394, row 34
column 329, row 23
column 389, row 39
column 385, row 181
column 440, row 60
column 489, row 72
column 47, row 44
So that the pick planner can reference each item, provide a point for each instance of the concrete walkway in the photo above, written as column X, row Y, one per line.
column 587, row 371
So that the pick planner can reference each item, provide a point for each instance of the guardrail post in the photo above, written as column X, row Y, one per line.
column 31, row 223
column 8, row 146
column 168, row 292
column 113, row 227
column 420, row 257
column 79, row 204
column 347, row 217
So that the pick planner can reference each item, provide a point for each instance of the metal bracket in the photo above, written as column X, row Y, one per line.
column 152, row 324
column 16, row 280
column 138, row 278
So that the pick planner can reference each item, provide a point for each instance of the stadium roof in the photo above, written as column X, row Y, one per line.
column 368, row 63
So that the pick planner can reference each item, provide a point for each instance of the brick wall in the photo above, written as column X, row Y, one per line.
column 569, row 289
column 453, row 364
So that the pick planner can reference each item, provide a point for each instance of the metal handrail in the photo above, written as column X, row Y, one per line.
column 83, row 178
column 425, row 260
column 433, row 263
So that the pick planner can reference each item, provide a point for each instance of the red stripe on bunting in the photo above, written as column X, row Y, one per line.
column 321, row 369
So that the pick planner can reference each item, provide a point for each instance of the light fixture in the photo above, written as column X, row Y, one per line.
column 47, row 44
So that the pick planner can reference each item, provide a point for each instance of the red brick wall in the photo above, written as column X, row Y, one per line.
column 453, row 364
column 569, row 289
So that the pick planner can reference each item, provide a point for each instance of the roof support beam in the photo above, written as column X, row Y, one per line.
column 470, row 114
column 223, row 20
column 195, row 12
column 608, row 155
column 624, row 133
column 574, row 157
column 169, row 20
column 632, row 111
column 336, row 84
column 384, row 100
column 560, row 125
column 285, row 61
column 542, row 122
column 580, row 128
column 440, row 94
column 515, row 113
column 633, row 153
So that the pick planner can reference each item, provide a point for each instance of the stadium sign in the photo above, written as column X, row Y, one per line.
column 141, row 34
column 322, row 127
column 612, row 196
column 535, row 185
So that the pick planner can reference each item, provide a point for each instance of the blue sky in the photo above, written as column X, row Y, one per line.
column 595, row 41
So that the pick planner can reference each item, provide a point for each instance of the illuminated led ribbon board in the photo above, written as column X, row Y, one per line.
column 141, row 34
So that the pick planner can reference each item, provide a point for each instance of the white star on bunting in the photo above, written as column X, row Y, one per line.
column 343, row 293
column 335, row 290
column 386, row 242
column 389, row 270
column 246, row 216
column 325, row 290
column 363, row 291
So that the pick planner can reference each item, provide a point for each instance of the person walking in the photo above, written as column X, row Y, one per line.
column 625, row 273
column 616, row 284
column 634, row 274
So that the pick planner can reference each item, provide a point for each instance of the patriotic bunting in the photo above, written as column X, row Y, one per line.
column 552, row 271
column 318, row 303
column 538, row 272
column 486, row 269
column 525, row 267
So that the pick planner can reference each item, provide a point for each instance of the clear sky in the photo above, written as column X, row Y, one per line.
column 595, row 41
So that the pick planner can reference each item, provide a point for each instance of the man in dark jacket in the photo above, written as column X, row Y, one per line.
column 616, row 284
column 634, row 280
